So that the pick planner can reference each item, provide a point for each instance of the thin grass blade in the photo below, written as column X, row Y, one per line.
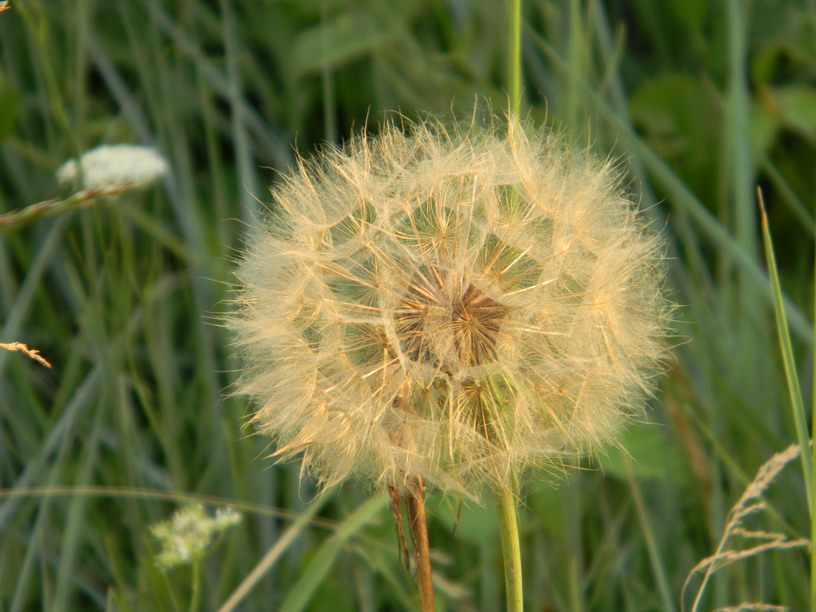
column 302, row 592
column 792, row 378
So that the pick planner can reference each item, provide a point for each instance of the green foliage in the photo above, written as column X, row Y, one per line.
column 700, row 102
column 348, row 35
column 648, row 451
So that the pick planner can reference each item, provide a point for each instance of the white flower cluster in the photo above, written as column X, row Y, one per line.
column 114, row 165
column 186, row 536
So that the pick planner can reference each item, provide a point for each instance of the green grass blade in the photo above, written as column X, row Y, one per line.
column 76, row 517
column 785, row 346
column 248, row 185
column 22, row 302
column 57, row 435
column 739, row 164
column 302, row 592
column 812, row 11
column 681, row 194
column 274, row 554
column 514, row 67
column 655, row 558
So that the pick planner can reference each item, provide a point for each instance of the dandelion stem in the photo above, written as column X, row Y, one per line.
column 508, row 529
column 511, row 549
column 415, row 505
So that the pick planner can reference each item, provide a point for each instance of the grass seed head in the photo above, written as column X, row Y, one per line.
column 461, row 305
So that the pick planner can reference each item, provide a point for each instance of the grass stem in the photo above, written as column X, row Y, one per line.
column 506, row 502
column 514, row 71
column 813, row 473
column 17, row 219
column 194, row 599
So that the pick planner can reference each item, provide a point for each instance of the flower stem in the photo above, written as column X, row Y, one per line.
column 511, row 549
column 415, row 505
column 194, row 599
column 508, row 528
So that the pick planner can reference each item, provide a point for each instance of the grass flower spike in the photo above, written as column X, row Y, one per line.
column 456, row 305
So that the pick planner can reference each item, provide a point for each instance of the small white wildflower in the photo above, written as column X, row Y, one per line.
column 115, row 165
column 226, row 518
column 186, row 536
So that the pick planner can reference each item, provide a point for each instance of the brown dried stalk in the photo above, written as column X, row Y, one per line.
column 415, row 504
column 417, row 522
column 19, row 346
column 763, row 541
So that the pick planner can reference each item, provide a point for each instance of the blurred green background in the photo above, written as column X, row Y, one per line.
column 699, row 101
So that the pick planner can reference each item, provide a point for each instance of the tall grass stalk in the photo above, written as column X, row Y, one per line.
column 812, row 11
column 514, row 72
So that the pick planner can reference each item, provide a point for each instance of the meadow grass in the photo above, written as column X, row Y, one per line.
column 701, row 102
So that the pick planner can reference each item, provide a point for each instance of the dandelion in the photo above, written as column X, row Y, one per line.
column 109, row 165
column 456, row 306
column 187, row 535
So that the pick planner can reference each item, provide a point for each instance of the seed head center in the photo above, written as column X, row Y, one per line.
column 449, row 326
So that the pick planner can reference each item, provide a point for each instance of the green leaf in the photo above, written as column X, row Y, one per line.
column 347, row 36
column 336, row 42
column 9, row 105
column 764, row 128
column 472, row 522
column 797, row 108
column 651, row 451
column 676, row 115
column 548, row 507
column 691, row 13
column 304, row 589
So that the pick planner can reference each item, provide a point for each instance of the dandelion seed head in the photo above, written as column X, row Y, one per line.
column 115, row 165
column 460, row 305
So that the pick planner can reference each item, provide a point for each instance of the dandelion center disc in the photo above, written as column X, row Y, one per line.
column 463, row 318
